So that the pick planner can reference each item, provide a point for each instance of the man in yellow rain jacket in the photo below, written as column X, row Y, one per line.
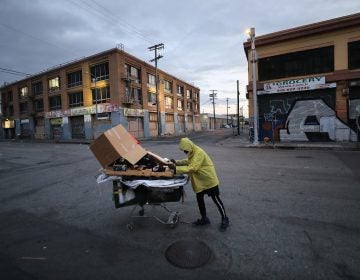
column 203, row 178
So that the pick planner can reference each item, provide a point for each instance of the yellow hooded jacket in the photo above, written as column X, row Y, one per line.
column 198, row 165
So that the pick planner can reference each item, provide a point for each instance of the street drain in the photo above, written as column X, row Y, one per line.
column 188, row 253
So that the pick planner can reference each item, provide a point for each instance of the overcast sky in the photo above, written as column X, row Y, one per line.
column 203, row 38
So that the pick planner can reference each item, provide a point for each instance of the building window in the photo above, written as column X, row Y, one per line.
column 180, row 91
column 39, row 105
column 100, row 72
column 189, row 106
column 54, row 84
column 168, row 102
column 74, row 79
column 37, row 88
column 132, row 72
column 188, row 94
column 133, row 95
column 101, row 95
column 167, row 86
column 169, row 118
column 23, row 92
column 151, row 79
column 196, row 109
column 354, row 55
column 76, row 99
column 11, row 110
column 153, row 117
column 309, row 62
column 10, row 96
column 180, row 105
column 151, row 98
column 55, row 103
column 196, row 96
column 23, row 108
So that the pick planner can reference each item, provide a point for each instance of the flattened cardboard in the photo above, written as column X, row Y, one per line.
column 115, row 143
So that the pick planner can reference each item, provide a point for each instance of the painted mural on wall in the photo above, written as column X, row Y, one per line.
column 314, row 120
column 274, row 109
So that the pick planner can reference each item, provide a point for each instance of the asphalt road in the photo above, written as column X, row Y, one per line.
column 294, row 214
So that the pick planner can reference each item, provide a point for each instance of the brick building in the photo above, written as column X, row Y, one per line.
column 81, row 99
column 308, row 81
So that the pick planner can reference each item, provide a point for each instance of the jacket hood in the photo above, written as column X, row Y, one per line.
column 186, row 145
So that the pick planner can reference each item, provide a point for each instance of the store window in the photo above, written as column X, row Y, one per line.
column 309, row 62
column 354, row 55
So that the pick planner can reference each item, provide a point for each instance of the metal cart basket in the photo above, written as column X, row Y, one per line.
column 137, row 192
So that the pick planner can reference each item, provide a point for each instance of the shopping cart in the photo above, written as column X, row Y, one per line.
column 137, row 192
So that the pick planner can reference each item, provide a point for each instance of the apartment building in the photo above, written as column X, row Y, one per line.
column 83, row 98
column 308, row 81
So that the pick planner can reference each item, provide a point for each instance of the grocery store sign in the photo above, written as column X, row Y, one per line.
column 310, row 83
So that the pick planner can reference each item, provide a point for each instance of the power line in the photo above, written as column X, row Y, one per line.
column 33, row 37
column 13, row 72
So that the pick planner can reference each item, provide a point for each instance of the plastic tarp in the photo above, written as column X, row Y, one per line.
column 156, row 183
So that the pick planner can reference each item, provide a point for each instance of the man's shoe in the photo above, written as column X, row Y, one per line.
column 202, row 222
column 224, row 224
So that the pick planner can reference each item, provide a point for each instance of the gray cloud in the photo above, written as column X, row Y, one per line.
column 203, row 39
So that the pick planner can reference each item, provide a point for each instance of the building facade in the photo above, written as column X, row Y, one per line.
column 82, row 99
column 308, row 81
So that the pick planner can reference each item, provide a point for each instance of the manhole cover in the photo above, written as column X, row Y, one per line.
column 188, row 253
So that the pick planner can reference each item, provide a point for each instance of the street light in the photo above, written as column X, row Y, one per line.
column 251, row 33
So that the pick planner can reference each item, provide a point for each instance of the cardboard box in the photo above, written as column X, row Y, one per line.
column 115, row 143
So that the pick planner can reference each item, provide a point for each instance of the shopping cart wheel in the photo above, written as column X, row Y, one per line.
column 130, row 226
column 173, row 220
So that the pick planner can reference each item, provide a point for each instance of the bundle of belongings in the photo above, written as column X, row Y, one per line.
column 139, row 176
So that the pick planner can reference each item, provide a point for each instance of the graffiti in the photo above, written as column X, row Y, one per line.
column 281, row 106
column 327, row 127
column 268, row 117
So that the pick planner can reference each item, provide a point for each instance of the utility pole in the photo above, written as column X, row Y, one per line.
column 238, row 108
column 227, row 110
column 213, row 97
column 156, row 58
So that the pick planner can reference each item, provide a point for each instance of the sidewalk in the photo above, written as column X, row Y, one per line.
column 243, row 141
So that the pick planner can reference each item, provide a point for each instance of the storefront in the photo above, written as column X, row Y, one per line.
column 56, row 128
column 300, row 110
